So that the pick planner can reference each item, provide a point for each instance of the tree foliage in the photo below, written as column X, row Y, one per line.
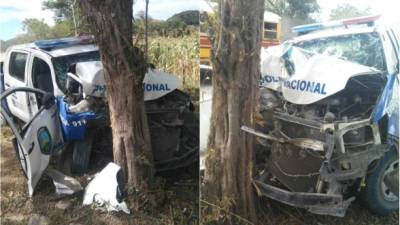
column 37, row 29
column 293, row 8
column 178, row 25
column 61, row 8
column 67, row 14
column 346, row 10
column 189, row 17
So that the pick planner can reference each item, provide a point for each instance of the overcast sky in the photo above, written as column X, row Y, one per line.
column 13, row 12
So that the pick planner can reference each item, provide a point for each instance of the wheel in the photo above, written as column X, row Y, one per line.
column 81, row 155
column 376, row 194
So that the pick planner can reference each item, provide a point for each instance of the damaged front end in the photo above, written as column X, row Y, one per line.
column 170, row 113
column 318, row 137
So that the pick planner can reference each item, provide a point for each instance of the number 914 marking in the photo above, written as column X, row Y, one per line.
column 77, row 123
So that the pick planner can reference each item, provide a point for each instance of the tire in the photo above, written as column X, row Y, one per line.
column 378, row 197
column 81, row 151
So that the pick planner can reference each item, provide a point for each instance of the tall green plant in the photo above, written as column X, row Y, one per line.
column 177, row 56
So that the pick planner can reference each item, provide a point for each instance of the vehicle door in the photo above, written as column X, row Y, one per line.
column 40, row 78
column 39, row 138
column 15, row 75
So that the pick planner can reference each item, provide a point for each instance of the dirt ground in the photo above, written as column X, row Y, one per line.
column 177, row 198
column 275, row 213
column 280, row 214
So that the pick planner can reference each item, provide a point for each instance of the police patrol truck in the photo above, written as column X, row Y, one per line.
column 330, row 103
column 54, row 99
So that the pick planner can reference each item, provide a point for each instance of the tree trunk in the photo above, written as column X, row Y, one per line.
column 236, row 62
column 124, row 70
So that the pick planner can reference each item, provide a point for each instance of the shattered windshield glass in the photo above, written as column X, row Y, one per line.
column 62, row 64
column 365, row 48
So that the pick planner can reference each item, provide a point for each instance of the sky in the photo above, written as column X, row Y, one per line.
column 389, row 9
column 13, row 12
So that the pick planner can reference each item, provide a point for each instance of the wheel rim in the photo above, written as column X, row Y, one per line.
column 387, row 194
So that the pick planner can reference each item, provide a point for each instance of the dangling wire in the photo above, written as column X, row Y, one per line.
column 146, row 32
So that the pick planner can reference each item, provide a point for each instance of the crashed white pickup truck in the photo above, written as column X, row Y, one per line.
column 53, row 98
column 330, row 103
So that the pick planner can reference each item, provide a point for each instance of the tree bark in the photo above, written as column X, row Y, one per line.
column 236, row 62
column 124, row 69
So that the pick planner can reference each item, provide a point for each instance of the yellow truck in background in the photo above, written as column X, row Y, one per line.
column 271, row 33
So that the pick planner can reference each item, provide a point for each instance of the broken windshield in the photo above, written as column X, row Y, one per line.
column 62, row 64
column 365, row 48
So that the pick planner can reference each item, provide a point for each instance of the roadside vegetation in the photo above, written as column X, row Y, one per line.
column 177, row 56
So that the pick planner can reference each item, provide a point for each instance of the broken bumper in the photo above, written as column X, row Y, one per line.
column 327, row 179
column 318, row 203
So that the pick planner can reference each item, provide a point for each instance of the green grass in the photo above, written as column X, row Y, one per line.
column 179, row 56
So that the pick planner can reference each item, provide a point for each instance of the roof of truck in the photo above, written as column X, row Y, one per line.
column 73, row 50
column 62, row 51
column 60, row 47
column 355, row 25
column 334, row 32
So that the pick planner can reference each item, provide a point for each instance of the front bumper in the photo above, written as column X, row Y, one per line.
column 324, row 186
column 318, row 203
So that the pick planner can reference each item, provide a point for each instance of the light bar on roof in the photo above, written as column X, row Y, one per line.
column 63, row 42
column 302, row 29
column 361, row 20
column 307, row 28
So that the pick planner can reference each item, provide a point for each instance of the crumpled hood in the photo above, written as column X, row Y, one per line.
column 315, row 76
column 156, row 83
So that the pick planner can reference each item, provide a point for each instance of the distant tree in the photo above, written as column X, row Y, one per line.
column 62, row 29
column 61, row 8
column 346, row 10
column 293, row 8
column 189, row 17
column 178, row 25
column 68, row 14
column 36, row 29
column 19, row 39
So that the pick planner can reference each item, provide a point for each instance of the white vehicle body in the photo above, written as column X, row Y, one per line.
column 23, row 105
